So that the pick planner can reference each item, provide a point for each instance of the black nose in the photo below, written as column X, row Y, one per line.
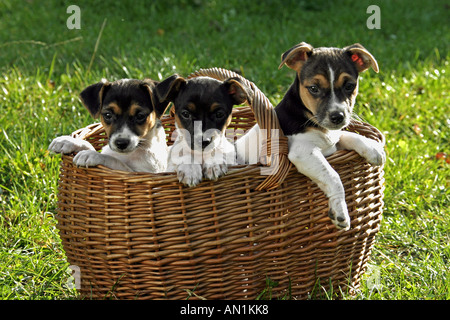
column 122, row 143
column 337, row 117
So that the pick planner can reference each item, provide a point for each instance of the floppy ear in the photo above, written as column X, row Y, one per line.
column 296, row 56
column 149, row 85
column 92, row 97
column 362, row 58
column 238, row 91
column 166, row 91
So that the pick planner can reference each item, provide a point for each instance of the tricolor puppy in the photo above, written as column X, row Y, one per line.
column 203, row 108
column 314, row 110
column 130, row 115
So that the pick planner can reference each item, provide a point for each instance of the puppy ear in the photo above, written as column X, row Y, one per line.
column 150, row 83
column 238, row 91
column 362, row 58
column 149, row 86
column 92, row 97
column 296, row 56
column 166, row 91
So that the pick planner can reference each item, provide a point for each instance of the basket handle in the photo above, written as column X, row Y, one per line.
column 275, row 147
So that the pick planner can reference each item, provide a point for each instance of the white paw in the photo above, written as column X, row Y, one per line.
column 338, row 213
column 88, row 158
column 214, row 171
column 374, row 154
column 189, row 174
column 67, row 145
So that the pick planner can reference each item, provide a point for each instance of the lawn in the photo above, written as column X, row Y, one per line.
column 44, row 66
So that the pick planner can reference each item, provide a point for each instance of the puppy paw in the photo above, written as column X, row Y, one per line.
column 88, row 158
column 189, row 174
column 214, row 171
column 374, row 154
column 338, row 214
column 68, row 145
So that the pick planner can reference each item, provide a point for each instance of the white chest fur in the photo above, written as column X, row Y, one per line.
column 324, row 141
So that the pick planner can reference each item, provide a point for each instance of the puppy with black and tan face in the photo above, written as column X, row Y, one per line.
column 203, row 108
column 318, row 104
column 130, row 115
column 326, row 85
column 314, row 110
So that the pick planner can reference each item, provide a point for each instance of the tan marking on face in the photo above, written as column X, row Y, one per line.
column 310, row 102
column 319, row 80
column 213, row 107
column 191, row 107
column 355, row 92
column 227, row 123
column 151, row 120
column 178, row 122
column 342, row 78
column 149, row 123
column 351, row 100
column 177, row 133
column 108, row 128
column 114, row 108
column 134, row 109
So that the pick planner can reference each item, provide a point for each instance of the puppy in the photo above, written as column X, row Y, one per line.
column 314, row 110
column 203, row 110
column 130, row 115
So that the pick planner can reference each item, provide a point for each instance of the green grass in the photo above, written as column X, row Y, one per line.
column 44, row 66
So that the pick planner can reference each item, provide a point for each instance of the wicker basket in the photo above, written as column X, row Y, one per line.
column 145, row 236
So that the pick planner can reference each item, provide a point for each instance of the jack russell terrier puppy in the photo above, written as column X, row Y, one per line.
column 312, row 113
column 203, row 110
column 129, row 113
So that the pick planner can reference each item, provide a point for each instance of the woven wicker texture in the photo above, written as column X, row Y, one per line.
column 145, row 236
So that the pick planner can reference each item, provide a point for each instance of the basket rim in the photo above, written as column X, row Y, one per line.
column 96, row 128
column 265, row 116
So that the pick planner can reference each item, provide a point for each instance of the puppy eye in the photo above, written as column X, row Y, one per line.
column 349, row 87
column 141, row 117
column 314, row 90
column 108, row 116
column 185, row 114
column 220, row 114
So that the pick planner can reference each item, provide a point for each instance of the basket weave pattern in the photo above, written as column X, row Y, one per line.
column 145, row 236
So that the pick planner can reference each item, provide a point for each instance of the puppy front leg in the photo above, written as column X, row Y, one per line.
column 180, row 160
column 189, row 174
column 89, row 158
column 216, row 162
column 213, row 171
column 310, row 161
column 68, row 145
column 369, row 149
